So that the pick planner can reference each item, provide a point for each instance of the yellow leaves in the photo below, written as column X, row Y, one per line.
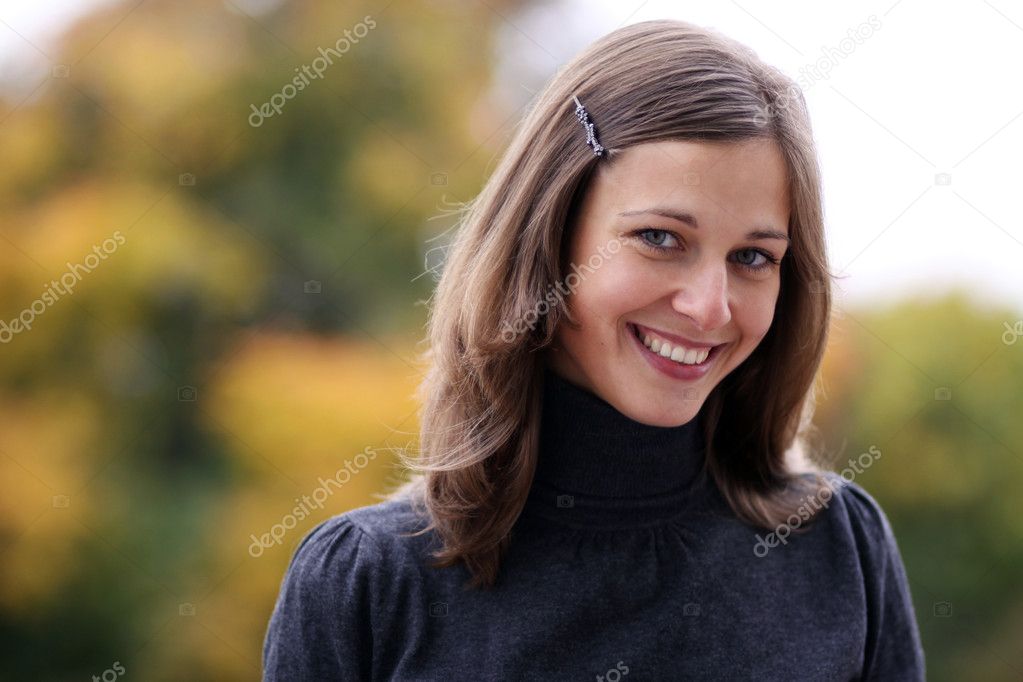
column 43, row 468
column 135, row 240
column 385, row 170
column 306, row 403
column 28, row 149
column 152, row 70
column 186, row 245
column 76, row 219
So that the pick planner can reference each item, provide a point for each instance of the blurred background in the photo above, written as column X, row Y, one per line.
column 221, row 220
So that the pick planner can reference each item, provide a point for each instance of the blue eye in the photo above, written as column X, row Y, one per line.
column 657, row 246
column 768, row 261
column 652, row 230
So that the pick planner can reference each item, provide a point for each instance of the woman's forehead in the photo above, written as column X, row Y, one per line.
column 745, row 181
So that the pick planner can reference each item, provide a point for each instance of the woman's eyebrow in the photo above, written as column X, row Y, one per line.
column 690, row 220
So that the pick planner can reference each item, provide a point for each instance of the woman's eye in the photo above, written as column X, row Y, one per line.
column 752, row 260
column 752, row 257
column 767, row 262
column 659, row 240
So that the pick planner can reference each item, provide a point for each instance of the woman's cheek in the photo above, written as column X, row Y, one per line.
column 628, row 286
column 764, row 311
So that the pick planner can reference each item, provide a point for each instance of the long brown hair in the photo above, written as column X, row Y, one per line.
column 479, row 421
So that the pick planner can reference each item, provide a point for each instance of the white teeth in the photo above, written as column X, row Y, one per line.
column 678, row 354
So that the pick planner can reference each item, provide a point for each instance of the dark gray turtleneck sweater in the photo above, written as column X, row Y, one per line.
column 626, row 564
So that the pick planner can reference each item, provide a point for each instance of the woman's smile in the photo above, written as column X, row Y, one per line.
column 662, row 357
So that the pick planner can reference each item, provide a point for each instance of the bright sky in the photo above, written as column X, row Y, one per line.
column 931, row 89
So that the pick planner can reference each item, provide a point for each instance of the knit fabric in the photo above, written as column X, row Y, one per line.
column 626, row 564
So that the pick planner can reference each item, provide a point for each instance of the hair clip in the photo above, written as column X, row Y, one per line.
column 584, row 118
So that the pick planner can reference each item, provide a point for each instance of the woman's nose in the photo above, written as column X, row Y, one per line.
column 702, row 296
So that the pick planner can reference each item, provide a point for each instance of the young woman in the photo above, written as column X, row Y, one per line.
column 615, row 479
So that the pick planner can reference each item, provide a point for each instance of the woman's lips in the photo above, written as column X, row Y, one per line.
column 675, row 370
column 675, row 339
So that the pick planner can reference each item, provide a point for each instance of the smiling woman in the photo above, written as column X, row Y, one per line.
column 616, row 419
column 708, row 282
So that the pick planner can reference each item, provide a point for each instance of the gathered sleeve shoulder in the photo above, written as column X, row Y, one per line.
column 321, row 627
column 893, row 647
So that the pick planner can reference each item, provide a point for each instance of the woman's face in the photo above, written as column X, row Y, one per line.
column 719, row 211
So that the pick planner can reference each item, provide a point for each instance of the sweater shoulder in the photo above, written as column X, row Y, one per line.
column 387, row 521
column 348, row 563
column 892, row 649
column 342, row 582
column 373, row 534
column 860, row 512
column 854, row 519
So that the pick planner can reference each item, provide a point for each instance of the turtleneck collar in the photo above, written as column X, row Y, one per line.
column 598, row 467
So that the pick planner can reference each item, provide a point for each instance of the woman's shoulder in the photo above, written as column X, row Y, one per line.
column 855, row 513
column 367, row 535
column 339, row 585
column 893, row 649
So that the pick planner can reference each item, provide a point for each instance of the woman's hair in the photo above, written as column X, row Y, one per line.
column 489, row 317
